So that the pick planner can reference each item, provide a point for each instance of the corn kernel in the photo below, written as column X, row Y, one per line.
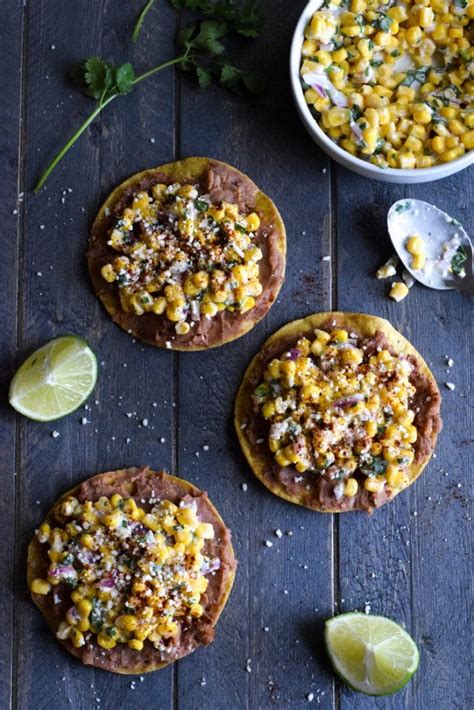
column 40, row 586
column 398, row 291
column 351, row 487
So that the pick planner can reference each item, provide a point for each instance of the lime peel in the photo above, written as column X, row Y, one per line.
column 54, row 380
column 371, row 654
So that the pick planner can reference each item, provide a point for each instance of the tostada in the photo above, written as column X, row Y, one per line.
column 132, row 569
column 189, row 255
column 338, row 412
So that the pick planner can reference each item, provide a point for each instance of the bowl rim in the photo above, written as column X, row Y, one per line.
column 313, row 127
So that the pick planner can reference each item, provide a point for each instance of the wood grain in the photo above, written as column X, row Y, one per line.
column 401, row 563
column 11, row 215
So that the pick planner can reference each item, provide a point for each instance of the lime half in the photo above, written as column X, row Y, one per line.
column 54, row 380
column 371, row 654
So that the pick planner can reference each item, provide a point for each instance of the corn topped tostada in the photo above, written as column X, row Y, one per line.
column 131, row 570
column 189, row 255
column 338, row 412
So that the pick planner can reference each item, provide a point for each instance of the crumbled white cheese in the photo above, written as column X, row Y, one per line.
column 388, row 269
column 244, row 487
column 450, row 385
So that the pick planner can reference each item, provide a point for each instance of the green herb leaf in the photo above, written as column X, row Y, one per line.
column 208, row 36
column 94, row 76
column 141, row 19
column 249, row 20
column 413, row 75
column 383, row 22
column 124, row 78
column 204, row 77
column 458, row 261
column 403, row 208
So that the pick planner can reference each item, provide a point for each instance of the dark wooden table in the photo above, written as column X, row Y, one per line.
column 410, row 561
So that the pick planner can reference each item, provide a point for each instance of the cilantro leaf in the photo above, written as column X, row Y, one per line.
column 208, row 36
column 204, row 77
column 250, row 22
column 458, row 260
column 94, row 76
column 124, row 78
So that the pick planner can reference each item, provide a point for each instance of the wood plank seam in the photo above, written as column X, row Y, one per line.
column 21, row 188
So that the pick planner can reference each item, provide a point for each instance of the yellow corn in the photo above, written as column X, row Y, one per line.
column 40, row 586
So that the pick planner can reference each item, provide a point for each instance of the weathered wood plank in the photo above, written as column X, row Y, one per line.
column 132, row 378
column 390, row 561
column 10, row 215
column 267, row 142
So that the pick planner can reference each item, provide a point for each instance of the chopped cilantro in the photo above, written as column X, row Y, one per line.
column 260, row 393
column 97, row 614
column 403, row 208
column 200, row 205
column 458, row 261
column 413, row 75
column 382, row 22
column 379, row 146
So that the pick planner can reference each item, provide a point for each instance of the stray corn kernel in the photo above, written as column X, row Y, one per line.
column 398, row 291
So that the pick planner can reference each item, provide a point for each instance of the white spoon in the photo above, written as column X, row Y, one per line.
column 447, row 247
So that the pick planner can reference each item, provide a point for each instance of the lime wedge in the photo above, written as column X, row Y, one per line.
column 371, row 654
column 54, row 380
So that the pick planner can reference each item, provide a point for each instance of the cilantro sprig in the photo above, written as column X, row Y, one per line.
column 206, row 42
column 141, row 19
column 203, row 52
column 103, row 82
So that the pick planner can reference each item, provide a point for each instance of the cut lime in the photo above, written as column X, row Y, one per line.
column 54, row 380
column 371, row 654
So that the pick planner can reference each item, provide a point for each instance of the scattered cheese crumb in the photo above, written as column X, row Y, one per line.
column 168, row 344
column 55, row 434
column 367, row 608
column 450, row 385
column 205, row 447
column 145, row 422
column 388, row 269
column 310, row 697
column 244, row 487
column 268, row 543
column 278, row 533
column 326, row 258
column 450, row 362
column 398, row 291
column 408, row 278
column 84, row 420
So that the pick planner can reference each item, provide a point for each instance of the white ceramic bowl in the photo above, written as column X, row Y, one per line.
column 362, row 167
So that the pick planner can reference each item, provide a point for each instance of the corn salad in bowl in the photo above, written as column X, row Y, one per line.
column 389, row 84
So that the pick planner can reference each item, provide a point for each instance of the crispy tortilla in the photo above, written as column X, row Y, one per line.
column 252, row 430
column 138, row 483
column 221, row 182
